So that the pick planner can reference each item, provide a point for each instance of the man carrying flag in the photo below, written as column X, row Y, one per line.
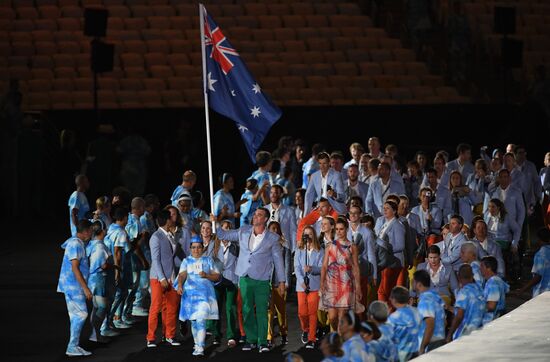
column 230, row 90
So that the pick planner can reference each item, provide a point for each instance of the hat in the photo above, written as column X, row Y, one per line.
column 196, row 239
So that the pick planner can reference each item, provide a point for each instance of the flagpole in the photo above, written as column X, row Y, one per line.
column 206, row 111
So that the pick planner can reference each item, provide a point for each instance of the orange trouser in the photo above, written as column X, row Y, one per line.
column 402, row 279
column 240, row 313
column 166, row 302
column 433, row 239
column 307, row 312
column 389, row 280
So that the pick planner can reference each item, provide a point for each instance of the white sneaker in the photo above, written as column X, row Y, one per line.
column 84, row 352
column 172, row 342
column 121, row 325
column 198, row 351
column 109, row 333
column 73, row 352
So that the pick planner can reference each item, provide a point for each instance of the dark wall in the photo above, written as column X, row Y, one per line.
column 412, row 128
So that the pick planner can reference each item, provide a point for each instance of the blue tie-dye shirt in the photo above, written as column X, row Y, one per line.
column 355, row 351
column 470, row 299
column 495, row 291
column 406, row 326
column 78, row 201
column 430, row 305
column 98, row 254
column 385, row 349
column 74, row 250
column 541, row 266
column 478, row 277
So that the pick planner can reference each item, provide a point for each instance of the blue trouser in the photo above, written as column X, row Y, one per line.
column 143, row 290
column 198, row 328
column 78, row 312
column 99, row 311
column 131, row 295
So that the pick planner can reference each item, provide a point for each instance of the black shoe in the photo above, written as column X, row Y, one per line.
column 310, row 345
column 216, row 341
column 151, row 344
column 304, row 337
column 249, row 347
column 242, row 340
column 284, row 340
column 263, row 348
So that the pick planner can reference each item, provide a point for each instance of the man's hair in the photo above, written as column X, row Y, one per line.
column 374, row 163
column 434, row 249
column 82, row 225
column 503, row 170
column 353, row 165
column 431, row 170
column 469, row 247
column 463, row 147
column 400, row 295
column 458, row 218
column 367, row 218
column 317, row 148
column 251, row 184
column 97, row 227
column 266, row 211
column 324, row 199
column 323, row 156
column 278, row 187
column 120, row 213
column 263, row 158
column 490, row 262
column 137, row 202
column 422, row 277
column 465, row 272
column 79, row 178
column 162, row 217
column 337, row 155
column 357, row 146
column 386, row 165
column 358, row 199
column 189, row 176
column 379, row 311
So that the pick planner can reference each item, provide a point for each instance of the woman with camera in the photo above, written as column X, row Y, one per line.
column 430, row 217
column 340, row 278
column 308, row 261
column 459, row 200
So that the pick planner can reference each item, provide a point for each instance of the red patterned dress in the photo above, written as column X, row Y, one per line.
column 339, row 291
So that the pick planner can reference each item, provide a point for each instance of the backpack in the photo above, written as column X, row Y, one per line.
column 384, row 254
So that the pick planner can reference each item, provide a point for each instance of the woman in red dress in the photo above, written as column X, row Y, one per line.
column 340, row 283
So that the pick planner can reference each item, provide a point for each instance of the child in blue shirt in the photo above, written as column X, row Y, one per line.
column 73, row 283
column 405, row 322
column 494, row 291
column 469, row 306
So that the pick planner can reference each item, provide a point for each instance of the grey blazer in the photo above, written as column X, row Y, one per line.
column 448, row 282
column 257, row 264
column 314, row 188
column 165, row 261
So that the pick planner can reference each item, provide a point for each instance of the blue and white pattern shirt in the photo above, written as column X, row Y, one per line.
column 470, row 299
column 406, row 327
column 221, row 199
column 355, row 351
column 78, row 201
column 430, row 305
column 385, row 349
column 74, row 250
column 98, row 254
column 541, row 266
column 495, row 291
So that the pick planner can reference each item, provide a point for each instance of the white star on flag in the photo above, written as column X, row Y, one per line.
column 255, row 112
column 256, row 88
column 242, row 128
column 233, row 93
column 211, row 82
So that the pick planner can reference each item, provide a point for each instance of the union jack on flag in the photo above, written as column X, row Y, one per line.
column 232, row 91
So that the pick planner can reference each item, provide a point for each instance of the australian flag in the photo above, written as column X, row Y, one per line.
column 233, row 91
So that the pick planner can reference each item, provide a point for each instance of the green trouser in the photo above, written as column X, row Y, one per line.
column 228, row 290
column 255, row 293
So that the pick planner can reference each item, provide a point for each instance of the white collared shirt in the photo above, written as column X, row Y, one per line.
column 255, row 240
column 484, row 244
column 435, row 276
column 502, row 193
column 274, row 216
column 324, row 180
column 170, row 237
column 384, row 186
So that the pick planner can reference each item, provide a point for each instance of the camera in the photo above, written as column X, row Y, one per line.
column 305, row 238
column 329, row 188
column 428, row 194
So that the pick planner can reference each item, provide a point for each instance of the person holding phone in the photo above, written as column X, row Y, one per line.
column 308, row 261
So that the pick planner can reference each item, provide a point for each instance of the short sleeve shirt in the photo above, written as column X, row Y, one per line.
column 495, row 291
column 470, row 299
column 78, row 201
column 74, row 250
column 430, row 305
column 406, row 327
column 541, row 266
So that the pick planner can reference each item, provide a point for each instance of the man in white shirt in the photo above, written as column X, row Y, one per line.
column 354, row 187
